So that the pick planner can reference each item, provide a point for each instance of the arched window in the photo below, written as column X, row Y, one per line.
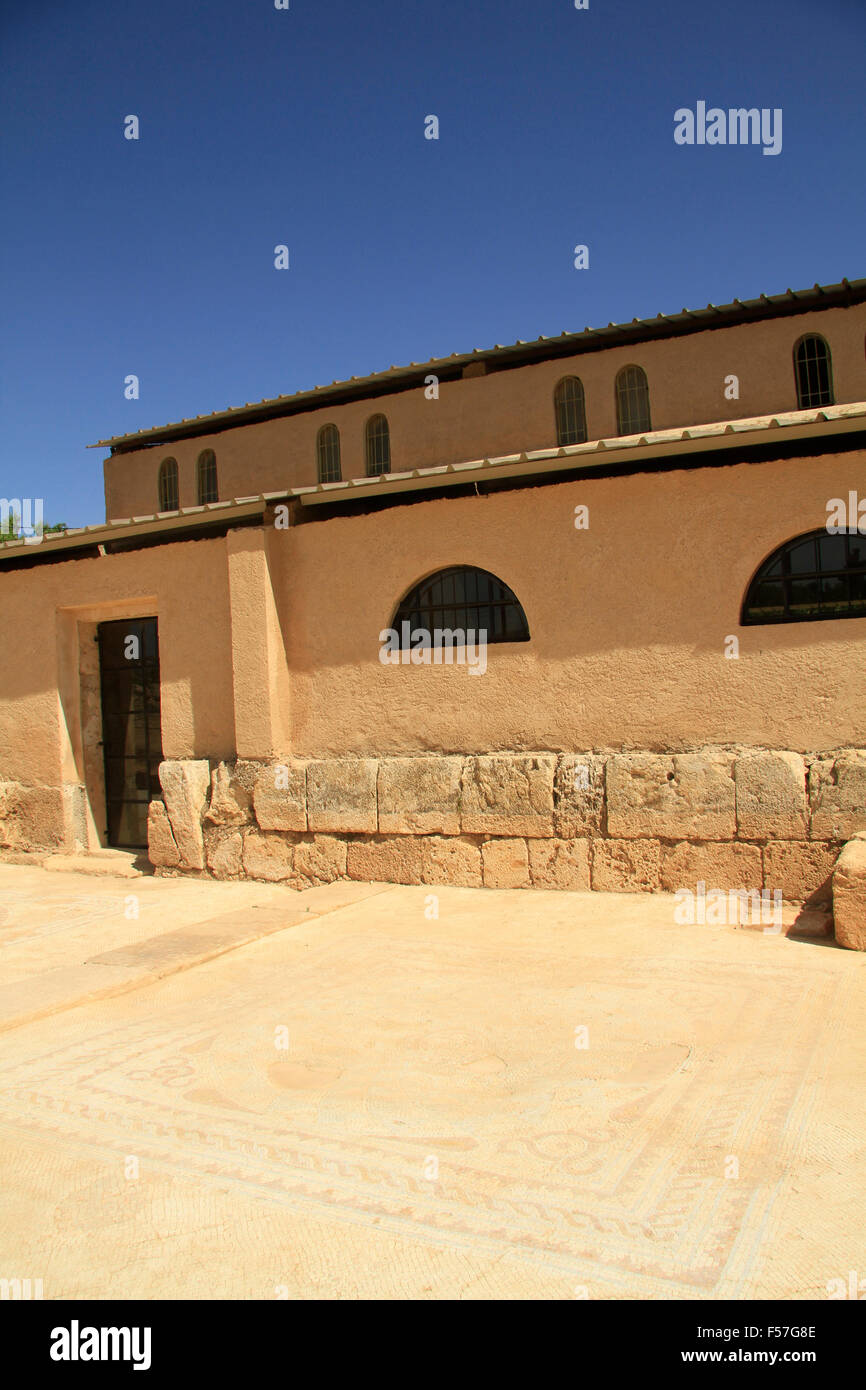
column 570, row 408
column 378, row 446
column 328, row 454
column 814, row 576
column 460, row 599
column 168, row 485
column 632, row 401
column 813, row 372
column 208, row 491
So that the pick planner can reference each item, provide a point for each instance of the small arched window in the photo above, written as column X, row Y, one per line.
column 328, row 454
column 168, row 485
column 461, row 599
column 570, row 407
column 814, row 576
column 813, row 372
column 378, row 446
column 632, row 401
column 208, row 490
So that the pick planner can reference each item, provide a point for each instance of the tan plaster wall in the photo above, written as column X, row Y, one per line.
column 185, row 586
column 628, row 620
column 509, row 411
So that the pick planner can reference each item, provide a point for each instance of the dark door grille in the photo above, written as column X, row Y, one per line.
column 131, row 732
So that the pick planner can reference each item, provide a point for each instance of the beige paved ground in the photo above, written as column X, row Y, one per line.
column 431, row 1131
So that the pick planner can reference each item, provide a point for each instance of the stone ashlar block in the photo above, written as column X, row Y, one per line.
column 32, row 817
column 450, row 860
column 561, row 864
column 849, row 896
column 505, row 864
column 801, row 869
column 268, row 855
column 393, row 860
column 225, row 851
column 320, row 859
column 280, row 796
column 341, row 795
column 579, row 796
column 230, row 798
column 185, row 786
column 420, row 796
column 713, row 863
column 837, row 795
column 509, row 794
column 771, row 796
column 626, row 866
column 688, row 796
column 162, row 850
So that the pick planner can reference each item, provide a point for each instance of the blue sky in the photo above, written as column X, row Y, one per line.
column 306, row 127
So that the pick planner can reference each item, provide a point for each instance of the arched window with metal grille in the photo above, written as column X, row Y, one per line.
column 632, row 401
column 462, row 599
column 168, row 485
column 208, row 488
column 570, row 408
column 378, row 446
column 815, row 576
column 813, row 372
column 328, row 454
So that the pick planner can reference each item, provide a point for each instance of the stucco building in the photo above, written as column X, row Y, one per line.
column 659, row 526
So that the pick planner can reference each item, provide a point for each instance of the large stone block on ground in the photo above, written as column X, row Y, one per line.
column 771, row 796
column 185, row 788
column 280, row 796
column 625, row 866
column 509, row 794
column 268, row 855
column 689, row 796
column 225, row 850
column 579, row 799
column 837, row 793
column 320, row 859
column 341, row 795
column 713, row 863
column 801, row 869
column 562, row 864
column 162, row 850
column 420, row 796
column 395, row 860
column 505, row 864
column 849, row 896
column 230, row 795
column 450, row 860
